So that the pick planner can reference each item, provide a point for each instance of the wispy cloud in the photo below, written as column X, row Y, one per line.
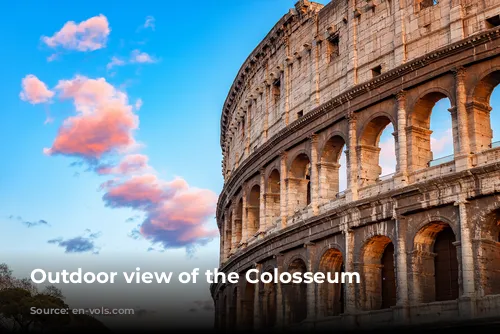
column 150, row 23
column 115, row 62
column 88, row 35
column 80, row 244
column 140, row 57
column 40, row 222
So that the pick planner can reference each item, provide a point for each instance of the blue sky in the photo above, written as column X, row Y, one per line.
column 179, row 60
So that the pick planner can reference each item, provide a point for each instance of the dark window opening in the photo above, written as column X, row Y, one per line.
column 242, row 129
column 376, row 71
column 333, row 47
column 277, row 90
column 493, row 22
column 300, row 114
column 428, row 3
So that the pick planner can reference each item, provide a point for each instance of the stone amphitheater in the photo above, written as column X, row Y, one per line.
column 326, row 81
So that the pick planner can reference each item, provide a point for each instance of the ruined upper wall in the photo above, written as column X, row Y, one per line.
column 317, row 52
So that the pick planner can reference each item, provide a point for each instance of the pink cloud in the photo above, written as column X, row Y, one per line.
column 176, row 213
column 104, row 122
column 133, row 163
column 88, row 35
column 138, row 192
column 35, row 91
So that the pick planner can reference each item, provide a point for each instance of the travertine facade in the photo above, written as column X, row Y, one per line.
column 331, row 78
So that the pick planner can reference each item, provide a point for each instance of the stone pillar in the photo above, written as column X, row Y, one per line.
column 262, row 205
column 401, row 309
column 244, row 223
column 350, row 291
column 468, row 283
column 328, row 181
column 222, row 243
column 256, row 302
column 479, row 120
column 311, row 288
column 280, row 306
column 283, row 190
column 352, row 159
column 462, row 160
column 227, row 239
column 248, row 131
column 402, row 173
column 266, row 117
column 314, row 175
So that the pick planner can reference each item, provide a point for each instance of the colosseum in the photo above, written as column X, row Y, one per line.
column 325, row 82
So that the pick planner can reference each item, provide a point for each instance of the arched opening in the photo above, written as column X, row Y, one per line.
column 273, row 206
column 233, row 309
column 253, row 211
column 488, row 253
column 299, row 188
column 435, row 264
column 329, row 168
column 378, row 270
column 268, row 305
column 296, row 295
column 377, row 151
column 247, row 305
column 238, row 221
column 331, row 295
column 430, row 136
column 483, row 114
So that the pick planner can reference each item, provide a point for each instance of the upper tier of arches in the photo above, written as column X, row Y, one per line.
column 315, row 53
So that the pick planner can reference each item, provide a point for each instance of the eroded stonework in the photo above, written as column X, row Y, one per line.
column 329, row 79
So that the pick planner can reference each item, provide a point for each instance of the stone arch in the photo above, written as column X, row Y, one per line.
column 329, row 166
column 420, row 154
column 268, row 304
column 369, row 148
column 435, row 263
column 298, row 182
column 253, row 210
column 479, row 110
column 330, row 296
column 488, row 252
column 378, row 290
column 273, row 196
column 295, row 293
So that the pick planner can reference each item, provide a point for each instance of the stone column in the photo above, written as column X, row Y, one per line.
column 462, row 160
column 262, row 205
column 227, row 239
column 350, row 292
column 283, row 190
column 467, row 254
column 280, row 307
column 352, row 159
column 311, row 288
column 244, row 222
column 256, row 301
column 402, row 173
column 401, row 310
column 314, row 175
